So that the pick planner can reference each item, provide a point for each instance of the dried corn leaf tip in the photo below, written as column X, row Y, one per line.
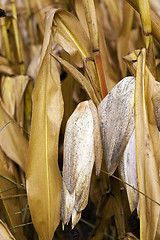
column 116, row 114
column 82, row 147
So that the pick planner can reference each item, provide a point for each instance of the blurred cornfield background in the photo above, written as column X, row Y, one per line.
column 55, row 54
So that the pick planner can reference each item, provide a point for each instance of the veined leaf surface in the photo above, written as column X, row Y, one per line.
column 68, row 36
column 147, row 150
column 43, row 175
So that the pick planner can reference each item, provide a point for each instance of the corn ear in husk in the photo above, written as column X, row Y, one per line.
column 118, row 134
column 116, row 130
column 82, row 147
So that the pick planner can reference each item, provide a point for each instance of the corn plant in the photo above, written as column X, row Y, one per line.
column 79, row 119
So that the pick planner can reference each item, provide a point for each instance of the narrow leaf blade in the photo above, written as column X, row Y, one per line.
column 43, row 175
column 147, row 150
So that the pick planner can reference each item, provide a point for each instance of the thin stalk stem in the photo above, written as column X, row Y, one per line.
column 111, row 175
column 10, row 180
column 155, row 22
column 30, row 26
column 5, row 36
column 17, row 37
column 101, row 77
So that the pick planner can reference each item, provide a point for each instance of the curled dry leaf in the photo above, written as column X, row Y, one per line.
column 12, row 94
column 12, row 141
column 82, row 147
column 131, row 61
column 41, row 7
column 9, row 171
column 147, row 149
column 5, row 67
column 76, row 43
column 128, row 172
column 80, row 78
column 4, row 232
column 72, row 41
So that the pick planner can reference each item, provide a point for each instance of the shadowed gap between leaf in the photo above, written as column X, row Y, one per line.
column 8, row 179
column 22, row 225
column 20, row 212
column 131, row 187
column 6, row 190
column 82, row 220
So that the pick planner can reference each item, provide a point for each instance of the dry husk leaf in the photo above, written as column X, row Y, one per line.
column 128, row 172
column 115, row 138
column 119, row 141
column 119, row 104
column 147, row 149
column 13, row 89
column 5, row 67
column 76, row 43
column 82, row 147
column 12, row 140
column 8, row 169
